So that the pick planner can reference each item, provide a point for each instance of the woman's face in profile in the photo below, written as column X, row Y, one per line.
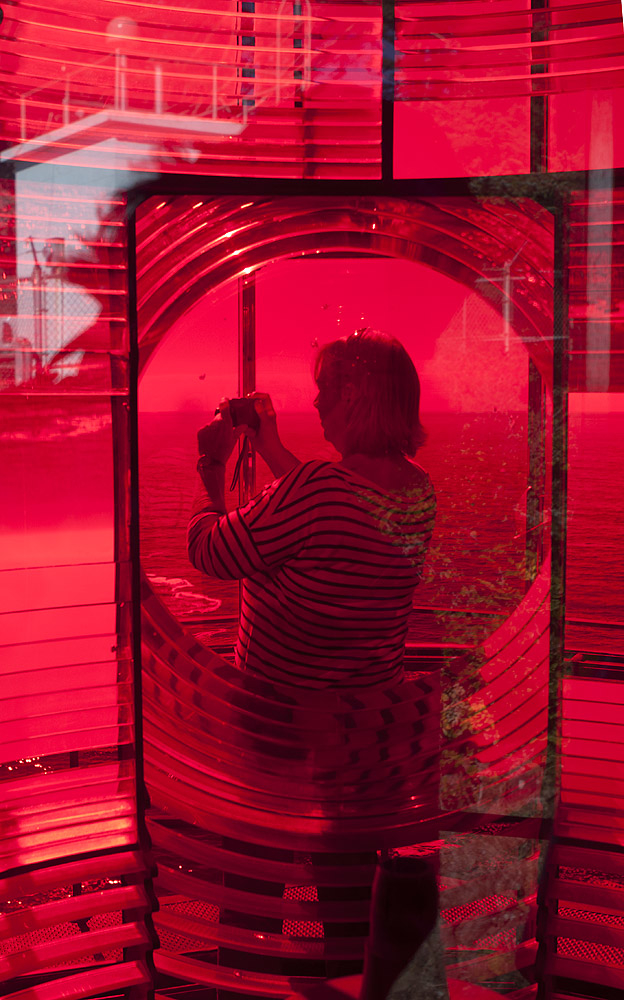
column 328, row 402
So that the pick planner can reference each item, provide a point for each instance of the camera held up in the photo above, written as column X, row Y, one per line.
column 243, row 411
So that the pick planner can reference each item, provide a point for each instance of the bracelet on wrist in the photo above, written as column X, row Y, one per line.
column 206, row 460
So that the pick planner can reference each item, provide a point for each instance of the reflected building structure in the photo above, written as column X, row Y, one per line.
column 174, row 182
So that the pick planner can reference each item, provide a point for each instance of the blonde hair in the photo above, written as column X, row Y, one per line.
column 384, row 416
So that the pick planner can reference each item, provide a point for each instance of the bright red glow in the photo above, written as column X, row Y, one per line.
column 470, row 356
column 466, row 73
column 269, row 91
column 269, row 803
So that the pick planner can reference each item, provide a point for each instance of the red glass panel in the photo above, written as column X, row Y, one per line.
column 596, row 378
column 456, row 334
column 265, row 89
column 468, row 71
column 462, row 75
column 588, row 63
column 468, row 287
column 67, row 739
column 262, row 90
column 585, row 886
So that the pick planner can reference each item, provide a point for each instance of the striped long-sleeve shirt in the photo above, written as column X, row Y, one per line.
column 330, row 563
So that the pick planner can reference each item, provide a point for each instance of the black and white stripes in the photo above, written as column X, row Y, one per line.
column 330, row 563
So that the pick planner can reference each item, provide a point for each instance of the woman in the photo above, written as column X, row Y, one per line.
column 330, row 553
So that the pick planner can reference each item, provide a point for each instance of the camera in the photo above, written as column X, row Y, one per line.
column 243, row 411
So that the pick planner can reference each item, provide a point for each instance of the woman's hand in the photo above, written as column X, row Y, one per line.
column 217, row 439
column 267, row 440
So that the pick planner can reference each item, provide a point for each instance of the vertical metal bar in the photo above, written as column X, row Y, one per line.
column 387, row 91
column 552, row 767
column 278, row 52
column 298, row 42
column 247, row 41
column 307, row 45
column 247, row 333
column 117, row 88
column 131, row 476
column 133, row 471
column 536, row 440
column 38, row 306
column 599, row 291
column 123, row 94
column 559, row 491
column 158, row 89
column 538, row 156
column 507, row 305
column 247, row 366
column 66, row 103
